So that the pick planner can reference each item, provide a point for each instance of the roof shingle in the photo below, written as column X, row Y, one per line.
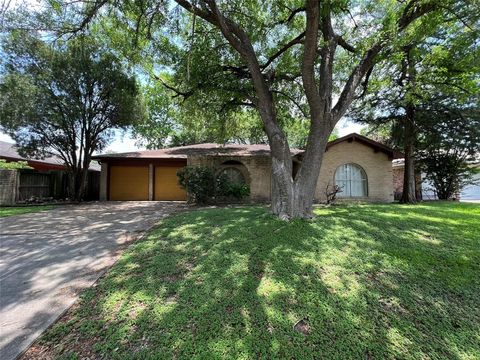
column 207, row 149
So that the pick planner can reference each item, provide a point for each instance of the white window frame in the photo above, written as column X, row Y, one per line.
column 346, row 181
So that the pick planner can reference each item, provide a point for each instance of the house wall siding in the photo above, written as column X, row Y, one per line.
column 377, row 165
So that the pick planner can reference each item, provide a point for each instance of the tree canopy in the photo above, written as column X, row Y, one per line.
column 434, row 72
column 297, row 64
column 448, row 143
column 64, row 98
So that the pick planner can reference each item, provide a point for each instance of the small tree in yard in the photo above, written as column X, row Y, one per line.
column 64, row 99
column 285, row 59
column 331, row 193
column 426, row 73
column 451, row 141
column 448, row 173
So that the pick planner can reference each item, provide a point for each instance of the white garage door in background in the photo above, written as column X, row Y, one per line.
column 472, row 192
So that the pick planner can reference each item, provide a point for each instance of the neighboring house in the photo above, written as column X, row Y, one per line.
column 9, row 152
column 398, row 166
column 425, row 189
column 362, row 167
column 46, row 179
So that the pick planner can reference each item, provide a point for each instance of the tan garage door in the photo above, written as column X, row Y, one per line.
column 166, row 184
column 128, row 182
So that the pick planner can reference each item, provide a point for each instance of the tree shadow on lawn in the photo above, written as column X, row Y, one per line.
column 369, row 282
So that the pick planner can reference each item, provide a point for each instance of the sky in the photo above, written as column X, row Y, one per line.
column 124, row 142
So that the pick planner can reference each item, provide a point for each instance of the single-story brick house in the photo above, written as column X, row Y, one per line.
column 361, row 166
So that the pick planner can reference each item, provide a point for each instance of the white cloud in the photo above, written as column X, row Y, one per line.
column 6, row 138
column 345, row 127
column 123, row 142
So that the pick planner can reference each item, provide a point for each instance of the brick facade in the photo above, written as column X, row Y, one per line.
column 257, row 174
column 377, row 166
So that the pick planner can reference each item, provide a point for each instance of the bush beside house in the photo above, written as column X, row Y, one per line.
column 203, row 186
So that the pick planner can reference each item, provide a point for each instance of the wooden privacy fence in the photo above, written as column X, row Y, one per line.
column 35, row 184
column 24, row 184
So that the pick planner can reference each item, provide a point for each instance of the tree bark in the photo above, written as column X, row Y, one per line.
column 78, row 178
column 409, row 183
column 409, row 195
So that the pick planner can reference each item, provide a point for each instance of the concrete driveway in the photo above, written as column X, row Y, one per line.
column 47, row 258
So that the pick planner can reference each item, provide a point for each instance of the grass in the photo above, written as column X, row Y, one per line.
column 20, row 210
column 365, row 282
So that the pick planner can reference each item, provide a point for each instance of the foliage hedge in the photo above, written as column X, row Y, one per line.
column 204, row 187
column 14, row 165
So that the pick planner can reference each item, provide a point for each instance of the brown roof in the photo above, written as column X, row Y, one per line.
column 213, row 149
column 207, row 149
column 9, row 152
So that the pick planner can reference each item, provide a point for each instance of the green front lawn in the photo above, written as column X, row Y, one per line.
column 19, row 210
column 367, row 281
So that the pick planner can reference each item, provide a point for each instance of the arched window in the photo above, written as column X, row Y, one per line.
column 352, row 179
column 233, row 174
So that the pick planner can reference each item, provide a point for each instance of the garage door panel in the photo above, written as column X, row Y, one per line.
column 472, row 192
column 166, row 184
column 129, row 182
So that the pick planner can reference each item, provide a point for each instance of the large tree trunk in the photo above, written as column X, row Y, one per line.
column 409, row 195
column 294, row 197
column 77, row 183
column 282, row 170
column 71, row 184
column 74, row 180
column 82, row 190
column 291, row 199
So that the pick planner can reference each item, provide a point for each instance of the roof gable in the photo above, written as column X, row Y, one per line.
column 375, row 145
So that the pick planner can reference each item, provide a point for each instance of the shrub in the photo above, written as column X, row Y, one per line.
column 198, row 182
column 14, row 165
column 226, row 188
column 203, row 188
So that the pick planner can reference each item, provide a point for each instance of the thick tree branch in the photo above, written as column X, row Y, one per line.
column 292, row 15
column 346, row 96
column 295, row 41
column 309, row 57
column 341, row 41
